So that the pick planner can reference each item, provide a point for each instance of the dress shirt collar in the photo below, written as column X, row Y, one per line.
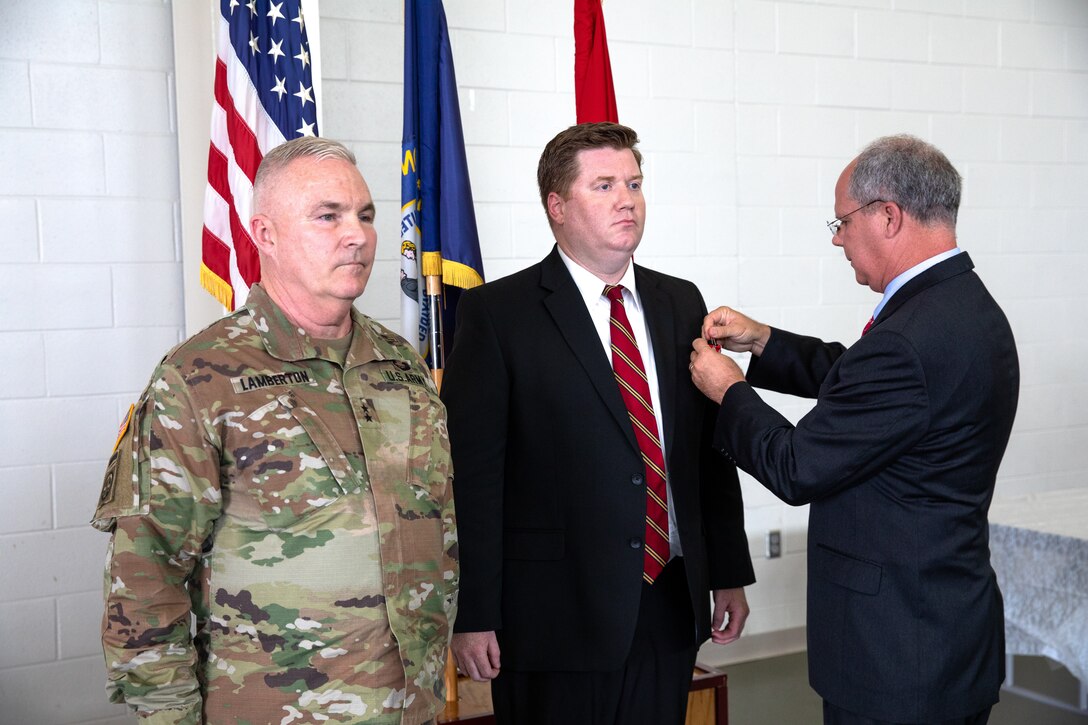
column 592, row 287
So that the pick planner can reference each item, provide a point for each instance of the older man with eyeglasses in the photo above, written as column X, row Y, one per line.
column 898, row 457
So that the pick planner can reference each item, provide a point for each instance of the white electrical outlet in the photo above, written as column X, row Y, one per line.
column 774, row 544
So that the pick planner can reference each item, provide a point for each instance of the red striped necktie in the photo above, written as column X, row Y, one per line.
column 868, row 326
column 631, row 378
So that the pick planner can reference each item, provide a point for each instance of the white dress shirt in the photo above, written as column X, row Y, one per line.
column 600, row 311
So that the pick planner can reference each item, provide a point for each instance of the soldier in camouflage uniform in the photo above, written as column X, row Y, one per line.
column 285, row 478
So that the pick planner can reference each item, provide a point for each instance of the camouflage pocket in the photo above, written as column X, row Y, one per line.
column 428, row 448
column 288, row 466
column 428, row 468
column 400, row 442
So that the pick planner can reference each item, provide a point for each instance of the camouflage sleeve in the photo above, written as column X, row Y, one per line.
column 160, row 500
column 451, row 559
column 443, row 470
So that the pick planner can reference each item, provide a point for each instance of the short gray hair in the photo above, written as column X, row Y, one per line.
column 304, row 147
column 912, row 173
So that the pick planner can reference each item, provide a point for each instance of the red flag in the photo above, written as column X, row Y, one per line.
column 594, row 95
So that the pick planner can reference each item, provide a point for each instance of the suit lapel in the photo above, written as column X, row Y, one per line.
column 565, row 304
column 658, row 310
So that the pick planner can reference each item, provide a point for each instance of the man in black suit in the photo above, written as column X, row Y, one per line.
column 898, row 457
column 551, row 483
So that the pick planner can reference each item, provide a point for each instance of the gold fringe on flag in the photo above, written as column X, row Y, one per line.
column 219, row 288
column 454, row 274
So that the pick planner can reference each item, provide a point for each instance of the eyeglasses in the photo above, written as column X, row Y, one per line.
column 836, row 224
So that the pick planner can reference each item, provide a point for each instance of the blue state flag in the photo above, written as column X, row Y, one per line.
column 438, row 222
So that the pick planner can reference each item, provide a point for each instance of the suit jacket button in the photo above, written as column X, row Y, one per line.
column 638, row 479
column 635, row 543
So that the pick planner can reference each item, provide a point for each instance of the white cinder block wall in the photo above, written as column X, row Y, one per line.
column 90, row 298
column 748, row 110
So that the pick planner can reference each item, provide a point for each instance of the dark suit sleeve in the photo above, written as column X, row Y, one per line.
column 475, row 390
column 728, row 559
column 872, row 409
column 793, row 364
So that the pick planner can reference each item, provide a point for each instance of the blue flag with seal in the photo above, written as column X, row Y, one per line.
column 438, row 223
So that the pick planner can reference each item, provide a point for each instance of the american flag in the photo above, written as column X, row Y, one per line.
column 263, row 96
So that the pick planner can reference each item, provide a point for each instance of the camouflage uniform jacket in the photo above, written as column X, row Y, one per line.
column 302, row 510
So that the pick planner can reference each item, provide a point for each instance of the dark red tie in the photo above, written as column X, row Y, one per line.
column 868, row 326
column 631, row 377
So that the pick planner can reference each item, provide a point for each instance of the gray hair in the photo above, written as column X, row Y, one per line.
column 912, row 173
column 304, row 147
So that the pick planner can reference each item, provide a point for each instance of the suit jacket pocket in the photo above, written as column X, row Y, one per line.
column 534, row 544
column 847, row 571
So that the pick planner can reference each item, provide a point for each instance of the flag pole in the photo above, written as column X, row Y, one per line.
column 435, row 333
column 440, row 246
column 437, row 362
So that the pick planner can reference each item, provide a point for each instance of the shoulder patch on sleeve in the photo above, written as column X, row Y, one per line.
column 120, row 494
column 124, row 427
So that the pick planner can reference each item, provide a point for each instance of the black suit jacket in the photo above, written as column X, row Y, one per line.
column 898, row 459
column 548, row 478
